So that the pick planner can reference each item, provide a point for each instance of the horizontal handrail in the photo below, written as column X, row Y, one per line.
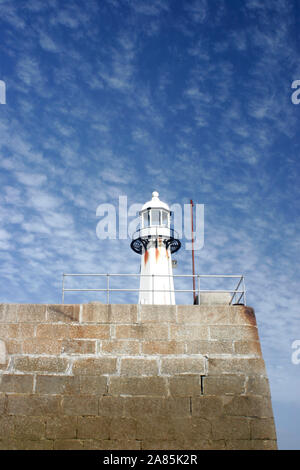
column 160, row 230
column 150, row 290
column 159, row 275
column 108, row 289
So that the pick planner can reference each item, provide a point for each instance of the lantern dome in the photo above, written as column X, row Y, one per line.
column 155, row 203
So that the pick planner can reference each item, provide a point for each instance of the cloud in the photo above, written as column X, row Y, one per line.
column 9, row 13
column 197, row 10
column 118, row 71
column 155, row 8
column 47, row 43
column 29, row 71
column 42, row 200
column 4, row 235
column 30, row 179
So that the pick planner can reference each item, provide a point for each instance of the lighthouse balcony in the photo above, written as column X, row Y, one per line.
column 155, row 231
column 141, row 238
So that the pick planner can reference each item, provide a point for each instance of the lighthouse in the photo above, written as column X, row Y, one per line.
column 155, row 241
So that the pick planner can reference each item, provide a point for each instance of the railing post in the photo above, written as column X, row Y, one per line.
column 244, row 289
column 199, row 301
column 107, row 290
column 63, row 289
column 152, row 288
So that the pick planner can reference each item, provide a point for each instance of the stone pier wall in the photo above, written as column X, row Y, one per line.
column 97, row 376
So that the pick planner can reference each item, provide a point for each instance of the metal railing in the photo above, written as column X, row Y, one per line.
column 238, row 294
column 156, row 230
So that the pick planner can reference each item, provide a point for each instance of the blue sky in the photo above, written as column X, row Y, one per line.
column 123, row 97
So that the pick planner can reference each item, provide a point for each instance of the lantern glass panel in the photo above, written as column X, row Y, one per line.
column 146, row 219
column 155, row 214
column 164, row 218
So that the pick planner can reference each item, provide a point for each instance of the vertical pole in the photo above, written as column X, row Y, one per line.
column 199, row 290
column 63, row 289
column 107, row 301
column 153, row 289
column 244, row 288
column 193, row 256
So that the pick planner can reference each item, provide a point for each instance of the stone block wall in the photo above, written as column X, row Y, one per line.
column 98, row 376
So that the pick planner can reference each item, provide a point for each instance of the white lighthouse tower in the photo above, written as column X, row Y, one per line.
column 155, row 241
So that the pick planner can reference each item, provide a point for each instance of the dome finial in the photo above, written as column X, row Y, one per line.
column 155, row 194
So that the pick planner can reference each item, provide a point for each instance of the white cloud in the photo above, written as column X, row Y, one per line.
column 58, row 220
column 4, row 235
column 153, row 8
column 42, row 200
column 197, row 10
column 35, row 226
column 47, row 43
column 31, row 179
column 8, row 13
column 29, row 71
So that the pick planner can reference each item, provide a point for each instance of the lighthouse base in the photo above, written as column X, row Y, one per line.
column 163, row 294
